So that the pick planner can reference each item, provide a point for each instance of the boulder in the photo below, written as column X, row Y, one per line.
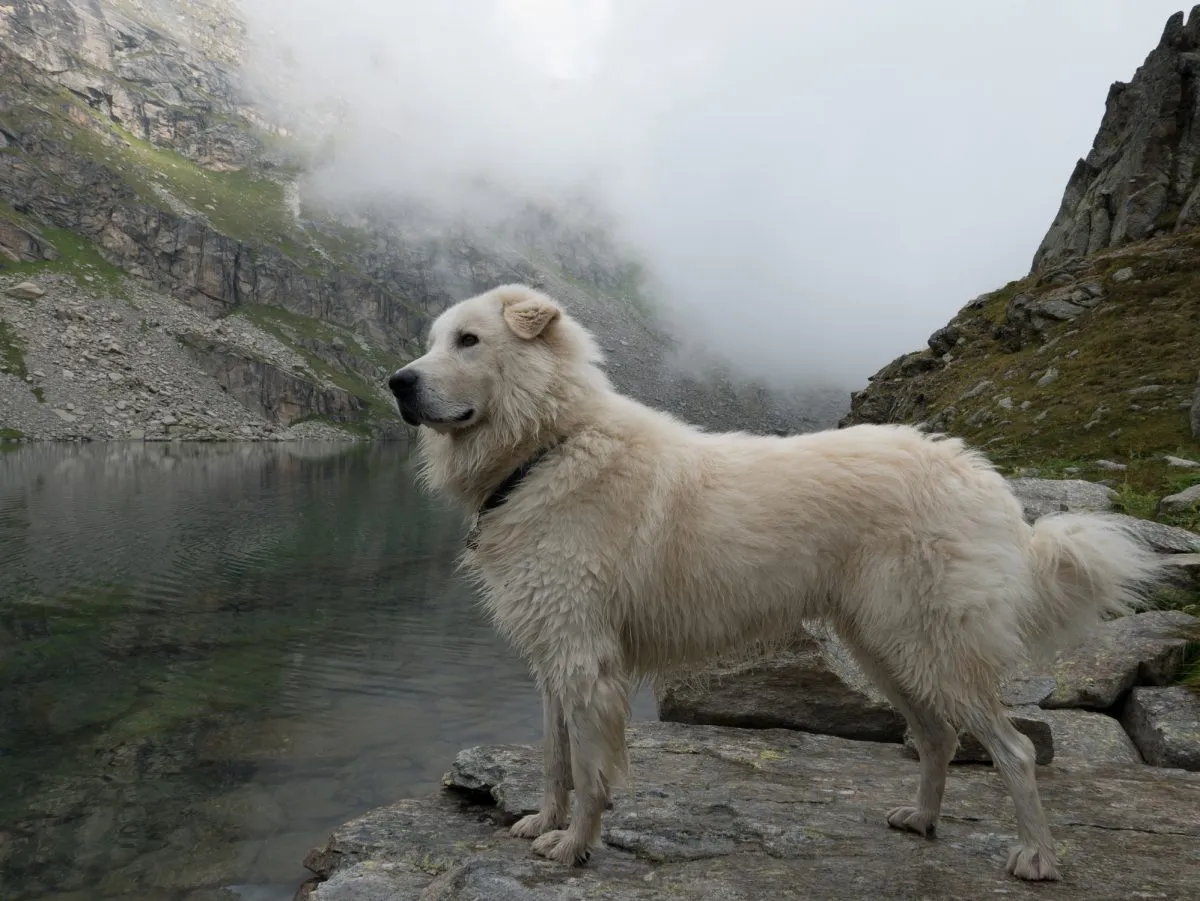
column 1181, row 501
column 718, row 813
column 1039, row 497
column 1143, row 649
column 26, row 291
column 813, row 686
column 1165, row 725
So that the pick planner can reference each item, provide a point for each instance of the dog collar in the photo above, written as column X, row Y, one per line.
column 502, row 491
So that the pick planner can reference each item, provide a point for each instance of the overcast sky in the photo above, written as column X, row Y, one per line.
column 817, row 185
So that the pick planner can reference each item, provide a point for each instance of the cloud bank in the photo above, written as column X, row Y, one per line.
column 816, row 186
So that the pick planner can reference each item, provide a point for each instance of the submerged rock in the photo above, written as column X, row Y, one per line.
column 733, row 814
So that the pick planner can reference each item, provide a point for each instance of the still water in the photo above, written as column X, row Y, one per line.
column 212, row 655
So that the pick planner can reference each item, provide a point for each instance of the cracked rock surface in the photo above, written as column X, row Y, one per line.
column 731, row 814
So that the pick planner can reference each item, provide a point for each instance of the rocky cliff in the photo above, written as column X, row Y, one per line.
column 126, row 142
column 1088, row 365
column 1142, row 175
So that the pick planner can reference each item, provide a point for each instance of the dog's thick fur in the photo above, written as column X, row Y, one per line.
column 639, row 543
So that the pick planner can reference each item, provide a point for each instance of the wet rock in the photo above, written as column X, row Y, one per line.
column 815, row 686
column 1143, row 649
column 717, row 813
column 1041, row 496
column 1165, row 725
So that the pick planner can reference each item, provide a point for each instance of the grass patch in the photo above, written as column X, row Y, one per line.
column 239, row 204
column 7, row 434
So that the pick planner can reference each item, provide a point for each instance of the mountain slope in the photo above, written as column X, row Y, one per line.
column 123, row 123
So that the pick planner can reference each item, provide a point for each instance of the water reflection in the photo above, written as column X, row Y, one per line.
column 212, row 655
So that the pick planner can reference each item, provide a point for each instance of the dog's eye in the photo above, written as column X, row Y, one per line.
column 466, row 339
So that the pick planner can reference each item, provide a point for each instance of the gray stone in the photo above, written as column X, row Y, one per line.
column 1124, row 274
column 815, row 686
column 1180, row 502
column 1160, row 537
column 716, row 814
column 1180, row 462
column 1049, row 376
column 1165, row 725
column 1087, row 738
column 1041, row 496
column 26, row 291
column 1143, row 649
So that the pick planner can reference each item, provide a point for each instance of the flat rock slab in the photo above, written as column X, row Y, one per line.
column 815, row 686
column 1143, row 649
column 1165, row 725
column 739, row 815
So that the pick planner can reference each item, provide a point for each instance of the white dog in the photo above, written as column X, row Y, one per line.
column 613, row 541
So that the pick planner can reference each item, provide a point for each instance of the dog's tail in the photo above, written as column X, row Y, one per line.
column 1086, row 566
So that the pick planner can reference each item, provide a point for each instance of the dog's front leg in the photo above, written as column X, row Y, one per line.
column 556, row 751
column 595, row 710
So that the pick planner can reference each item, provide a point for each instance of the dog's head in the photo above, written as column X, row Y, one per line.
column 504, row 359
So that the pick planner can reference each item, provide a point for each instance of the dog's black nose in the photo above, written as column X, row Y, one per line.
column 403, row 383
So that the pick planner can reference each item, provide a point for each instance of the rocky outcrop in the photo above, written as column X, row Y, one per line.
column 1142, row 175
column 726, row 813
column 23, row 245
column 281, row 396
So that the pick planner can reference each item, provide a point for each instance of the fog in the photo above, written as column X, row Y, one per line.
column 816, row 186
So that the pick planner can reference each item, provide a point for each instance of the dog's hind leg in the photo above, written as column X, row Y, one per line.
column 595, row 712
column 936, row 740
column 556, row 766
column 934, row 737
column 1013, row 755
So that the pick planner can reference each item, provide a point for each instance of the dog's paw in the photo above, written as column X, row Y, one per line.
column 534, row 825
column 912, row 819
column 563, row 847
column 1034, row 864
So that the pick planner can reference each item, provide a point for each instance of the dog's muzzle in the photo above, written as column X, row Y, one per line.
column 403, row 385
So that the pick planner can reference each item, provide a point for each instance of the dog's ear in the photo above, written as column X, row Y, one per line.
column 529, row 316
